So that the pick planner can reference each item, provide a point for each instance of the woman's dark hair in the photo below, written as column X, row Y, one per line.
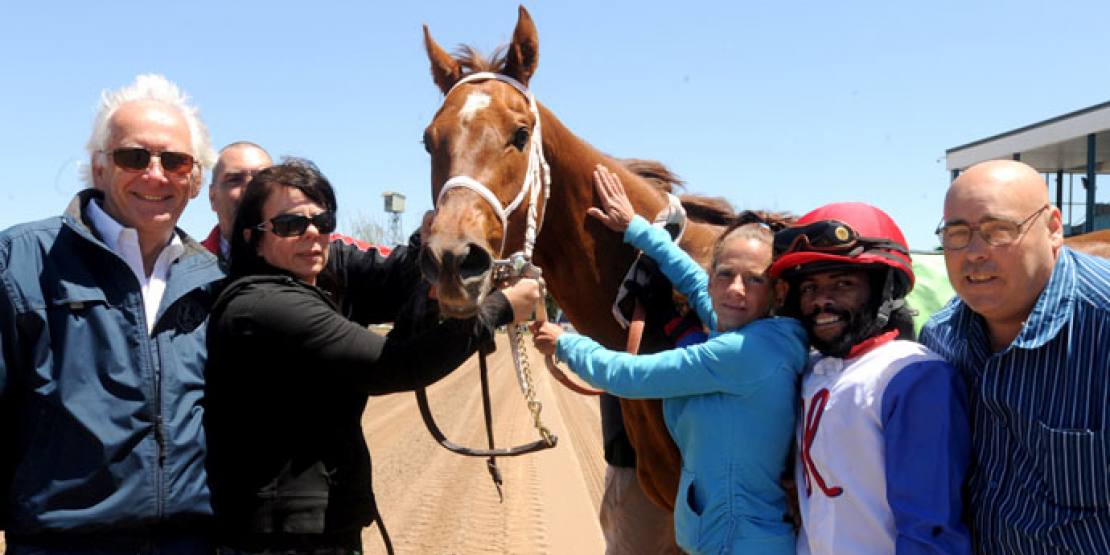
column 291, row 172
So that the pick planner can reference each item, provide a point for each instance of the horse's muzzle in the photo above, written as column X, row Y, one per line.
column 461, row 273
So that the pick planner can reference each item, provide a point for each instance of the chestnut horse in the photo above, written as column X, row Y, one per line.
column 482, row 137
column 1096, row 243
column 490, row 178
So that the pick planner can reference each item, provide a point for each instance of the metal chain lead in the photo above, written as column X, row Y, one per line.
column 516, row 339
column 522, row 267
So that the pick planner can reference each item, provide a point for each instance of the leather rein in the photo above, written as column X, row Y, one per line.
column 537, row 182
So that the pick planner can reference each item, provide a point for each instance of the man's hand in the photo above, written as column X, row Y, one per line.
column 545, row 336
column 616, row 209
column 524, row 296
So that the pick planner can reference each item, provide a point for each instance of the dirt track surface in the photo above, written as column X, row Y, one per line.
column 435, row 502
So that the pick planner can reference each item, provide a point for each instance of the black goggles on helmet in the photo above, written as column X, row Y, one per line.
column 830, row 236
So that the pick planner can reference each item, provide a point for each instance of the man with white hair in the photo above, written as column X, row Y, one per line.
column 102, row 344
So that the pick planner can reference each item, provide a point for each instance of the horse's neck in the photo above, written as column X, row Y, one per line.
column 583, row 261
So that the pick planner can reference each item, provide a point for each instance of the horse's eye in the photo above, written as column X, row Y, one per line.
column 427, row 140
column 520, row 138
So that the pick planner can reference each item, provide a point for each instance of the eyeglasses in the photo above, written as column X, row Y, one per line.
column 295, row 225
column 996, row 232
column 138, row 159
column 828, row 236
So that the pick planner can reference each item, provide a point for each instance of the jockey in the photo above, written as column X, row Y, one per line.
column 883, row 438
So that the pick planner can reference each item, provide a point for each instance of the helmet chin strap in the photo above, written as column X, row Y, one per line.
column 888, row 304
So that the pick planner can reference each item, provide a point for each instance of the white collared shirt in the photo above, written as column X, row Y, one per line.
column 124, row 241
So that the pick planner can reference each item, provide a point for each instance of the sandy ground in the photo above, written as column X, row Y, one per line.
column 436, row 502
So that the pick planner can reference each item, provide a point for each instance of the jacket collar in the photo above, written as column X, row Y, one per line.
column 195, row 257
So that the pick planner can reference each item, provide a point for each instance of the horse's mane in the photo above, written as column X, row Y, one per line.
column 703, row 209
column 655, row 173
column 699, row 208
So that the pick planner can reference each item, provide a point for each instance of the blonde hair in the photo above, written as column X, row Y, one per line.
column 750, row 231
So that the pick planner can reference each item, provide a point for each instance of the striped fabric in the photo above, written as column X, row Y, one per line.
column 1040, row 416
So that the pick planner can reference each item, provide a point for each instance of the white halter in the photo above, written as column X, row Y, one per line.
column 536, row 178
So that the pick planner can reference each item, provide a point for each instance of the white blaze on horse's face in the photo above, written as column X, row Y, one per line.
column 475, row 103
column 490, row 179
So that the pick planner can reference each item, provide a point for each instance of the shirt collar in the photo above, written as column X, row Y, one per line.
column 1052, row 310
column 118, row 238
column 106, row 226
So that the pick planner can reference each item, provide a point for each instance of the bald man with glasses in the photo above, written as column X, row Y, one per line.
column 1030, row 331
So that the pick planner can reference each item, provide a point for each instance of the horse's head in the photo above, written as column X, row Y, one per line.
column 484, row 166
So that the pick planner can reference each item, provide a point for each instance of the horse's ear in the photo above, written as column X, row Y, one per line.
column 445, row 69
column 524, row 51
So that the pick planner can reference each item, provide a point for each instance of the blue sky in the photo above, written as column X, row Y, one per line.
column 779, row 105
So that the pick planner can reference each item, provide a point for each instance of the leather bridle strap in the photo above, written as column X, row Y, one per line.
column 537, row 176
column 487, row 412
column 437, row 433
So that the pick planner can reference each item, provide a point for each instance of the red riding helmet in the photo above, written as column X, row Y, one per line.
column 844, row 234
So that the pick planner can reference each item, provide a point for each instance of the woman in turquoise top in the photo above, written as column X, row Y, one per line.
column 730, row 403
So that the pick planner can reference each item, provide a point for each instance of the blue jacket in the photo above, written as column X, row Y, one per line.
column 729, row 403
column 105, row 417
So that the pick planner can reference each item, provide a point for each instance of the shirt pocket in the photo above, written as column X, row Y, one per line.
column 72, row 302
column 1073, row 465
column 687, row 513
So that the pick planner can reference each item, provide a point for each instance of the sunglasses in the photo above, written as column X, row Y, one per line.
column 138, row 159
column 295, row 225
column 827, row 236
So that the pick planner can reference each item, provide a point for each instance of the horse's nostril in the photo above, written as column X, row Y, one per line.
column 429, row 266
column 476, row 262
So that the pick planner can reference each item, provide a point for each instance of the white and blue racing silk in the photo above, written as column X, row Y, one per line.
column 883, row 451
column 1040, row 415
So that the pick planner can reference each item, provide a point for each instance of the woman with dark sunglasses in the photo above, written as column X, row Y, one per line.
column 729, row 402
column 288, row 376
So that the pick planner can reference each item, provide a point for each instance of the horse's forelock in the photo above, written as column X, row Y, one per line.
column 473, row 61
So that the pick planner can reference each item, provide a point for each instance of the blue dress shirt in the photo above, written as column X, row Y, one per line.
column 1040, row 482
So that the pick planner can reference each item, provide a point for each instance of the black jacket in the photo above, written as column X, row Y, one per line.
column 287, row 382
